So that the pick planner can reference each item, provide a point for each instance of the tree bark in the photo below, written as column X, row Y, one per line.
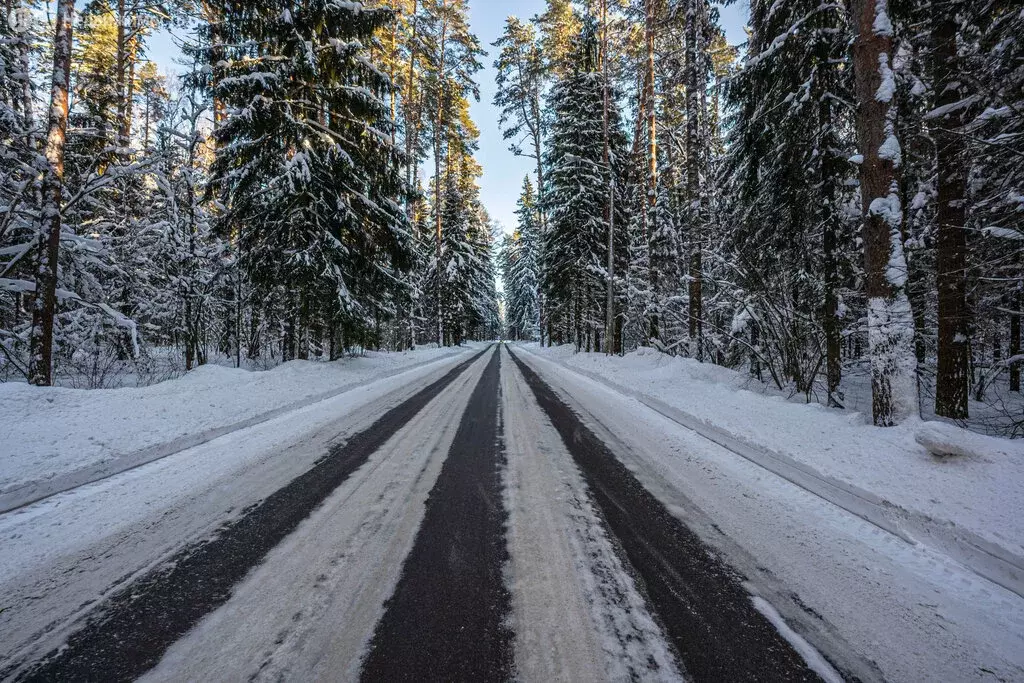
column 1015, row 366
column 952, row 378
column 606, row 159
column 120, row 56
column 438, row 135
column 541, row 209
column 651, row 181
column 830, row 177
column 693, row 183
column 125, row 66
column 45, row 305
column 890, row 318
column 412, row 121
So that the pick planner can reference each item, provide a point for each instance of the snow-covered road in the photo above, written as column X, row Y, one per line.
column 486, row 516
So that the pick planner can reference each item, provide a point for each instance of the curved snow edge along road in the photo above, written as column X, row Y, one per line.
column 127, row 635
column 988, row 560
column 34, row 491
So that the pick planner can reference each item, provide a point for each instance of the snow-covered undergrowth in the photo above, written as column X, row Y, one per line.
column 46, row 432
column 980, row 489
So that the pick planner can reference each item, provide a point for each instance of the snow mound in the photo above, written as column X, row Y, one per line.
column 979, row 490
column 47, row 432
column 944, row 440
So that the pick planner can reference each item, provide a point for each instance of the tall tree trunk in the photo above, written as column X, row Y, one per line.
column 541, row 209
column 890, row 319
column 145, row 124
column 830, row 177
column 412, row 121
column 606, row 157
column 651, row 180
column 40, row 369
column 693, row 182
column 438, row 135
column 253, row 349
column 190, row 356
column 216, row 55
column 129, row 98
column 238, row 319
column 952, row 379
column 121, row 67
column 1015, row 365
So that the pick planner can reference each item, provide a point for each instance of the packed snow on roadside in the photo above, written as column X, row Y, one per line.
column 949, row 474
column 45, row 432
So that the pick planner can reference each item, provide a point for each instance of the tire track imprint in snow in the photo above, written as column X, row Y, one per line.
column 576, row 610
column 129, row 633
column 703, row 608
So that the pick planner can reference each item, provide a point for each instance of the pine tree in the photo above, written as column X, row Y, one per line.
column 453, row 53
column 520, row 85
column 890, row 318
column 696, row 78
column 575, row 247
column 559, row 25
column 519, row 269
column 44, row 307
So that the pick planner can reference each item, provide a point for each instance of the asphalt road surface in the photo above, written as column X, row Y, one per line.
column 468, row 527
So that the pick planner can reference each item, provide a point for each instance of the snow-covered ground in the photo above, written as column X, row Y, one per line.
column 877, row 606
column 61, row 555
column 49, row 433
column 311, row 606
column 979, row 495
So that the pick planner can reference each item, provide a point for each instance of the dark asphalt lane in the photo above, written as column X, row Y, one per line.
column 447, row 618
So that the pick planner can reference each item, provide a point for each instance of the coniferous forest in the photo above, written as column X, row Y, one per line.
column 841, row 197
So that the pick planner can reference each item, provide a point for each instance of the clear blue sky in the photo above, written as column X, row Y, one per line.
column 503, row 172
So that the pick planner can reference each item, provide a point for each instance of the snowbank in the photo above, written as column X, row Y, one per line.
column 50, row 432
column 978, row 493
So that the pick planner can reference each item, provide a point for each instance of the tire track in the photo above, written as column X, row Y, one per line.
column 447, row 619
column 703, row 608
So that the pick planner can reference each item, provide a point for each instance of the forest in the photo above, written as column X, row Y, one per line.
column 839, row 197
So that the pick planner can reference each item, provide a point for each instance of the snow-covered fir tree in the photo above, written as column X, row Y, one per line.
column 789, row 130
column 306, row 172
column 519, row 262
column 577, row 199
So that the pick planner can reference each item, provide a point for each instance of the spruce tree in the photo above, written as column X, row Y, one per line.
column 575, row 244
column 789, row 131
column 306, row 171
column 519, row 269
